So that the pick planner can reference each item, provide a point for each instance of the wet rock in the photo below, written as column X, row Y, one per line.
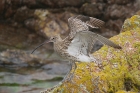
column 19, row 58
column 60, row 68
column 14, row 78
column 25, row 83
column 30, row 78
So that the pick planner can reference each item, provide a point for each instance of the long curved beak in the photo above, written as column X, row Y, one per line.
column 39, row 46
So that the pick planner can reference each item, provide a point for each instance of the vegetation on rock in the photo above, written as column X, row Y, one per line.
column 120, row 70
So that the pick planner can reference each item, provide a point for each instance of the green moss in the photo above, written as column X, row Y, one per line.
column 53, row 79
column 1, row 76
column 12, row 84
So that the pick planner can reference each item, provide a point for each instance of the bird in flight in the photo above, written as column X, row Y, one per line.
column 77, row 46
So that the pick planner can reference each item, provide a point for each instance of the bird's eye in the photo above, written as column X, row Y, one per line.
column 53, row 38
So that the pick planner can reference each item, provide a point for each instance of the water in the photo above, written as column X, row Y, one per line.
column 27, row 80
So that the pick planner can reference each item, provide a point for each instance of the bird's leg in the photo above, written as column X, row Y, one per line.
column 74, row 68
column 99, row 63
column 70, row 74
column 71, row 64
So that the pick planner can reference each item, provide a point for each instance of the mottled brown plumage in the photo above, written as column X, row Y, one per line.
column 79, row 43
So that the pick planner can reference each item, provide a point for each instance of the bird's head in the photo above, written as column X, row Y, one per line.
column 53, row 39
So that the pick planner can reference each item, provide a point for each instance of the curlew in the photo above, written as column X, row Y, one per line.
column 77, row 46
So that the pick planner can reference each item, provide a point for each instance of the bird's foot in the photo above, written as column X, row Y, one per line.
column 70, row 77
column 100, row 66
column 98, row 63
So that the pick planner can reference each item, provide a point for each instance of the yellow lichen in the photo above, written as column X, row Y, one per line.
column 120, row 70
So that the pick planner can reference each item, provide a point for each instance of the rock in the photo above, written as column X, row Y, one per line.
column 2, row 6
column 96, row 1
column 94, row 10
column 17, row 37
column 19, row 58
column 114, row 25
column 27, row 83
column 56, row 68
column 23, row 14
column 121, row 66
column 48, row 24
column 119, row 11
column 48, row 3
column 62, row 3
column 31, row 3
column 121, row 2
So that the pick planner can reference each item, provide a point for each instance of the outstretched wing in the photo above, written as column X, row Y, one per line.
column 90, row 21
column 81, row 23
column 83, row 42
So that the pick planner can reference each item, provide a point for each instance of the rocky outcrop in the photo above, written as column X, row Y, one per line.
column 120, row 70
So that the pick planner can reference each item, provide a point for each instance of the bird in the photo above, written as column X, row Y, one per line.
column 77, row 46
